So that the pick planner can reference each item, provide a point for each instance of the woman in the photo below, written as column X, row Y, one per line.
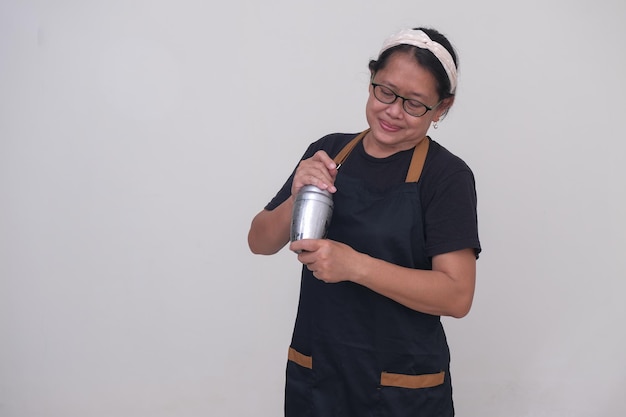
column 400, row 252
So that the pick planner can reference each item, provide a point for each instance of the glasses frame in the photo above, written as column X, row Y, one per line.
column 404, row 100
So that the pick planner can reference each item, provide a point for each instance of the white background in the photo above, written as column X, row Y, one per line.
column 139, row 138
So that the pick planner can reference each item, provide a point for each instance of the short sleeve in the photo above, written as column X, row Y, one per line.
column 450, row 214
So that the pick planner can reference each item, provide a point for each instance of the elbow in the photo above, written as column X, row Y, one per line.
column 460, row 269
column 461, row 308
column 259, row 236
column 459, row 314
column 261, row 251
column 255, row 250
column 256, row 246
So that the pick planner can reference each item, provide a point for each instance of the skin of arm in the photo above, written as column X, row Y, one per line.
column 446, row 290
column 269, row 231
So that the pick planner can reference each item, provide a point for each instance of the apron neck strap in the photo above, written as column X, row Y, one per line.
column 417, row 160
column 343, row 154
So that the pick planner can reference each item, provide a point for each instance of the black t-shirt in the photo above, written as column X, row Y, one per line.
column 447, row 189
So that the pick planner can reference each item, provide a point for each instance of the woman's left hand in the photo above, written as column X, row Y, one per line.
column 330, row 261
column 446, row 290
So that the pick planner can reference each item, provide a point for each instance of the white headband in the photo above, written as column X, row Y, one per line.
column 422, row 40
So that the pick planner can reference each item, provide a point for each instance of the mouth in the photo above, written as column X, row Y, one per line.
column 388, row 127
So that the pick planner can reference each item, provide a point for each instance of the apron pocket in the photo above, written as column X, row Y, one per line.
column 299, row 358
column 404, row 395
column 298, row 386
column 388, row 379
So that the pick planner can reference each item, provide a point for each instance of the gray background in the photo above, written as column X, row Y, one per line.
column 139, row 138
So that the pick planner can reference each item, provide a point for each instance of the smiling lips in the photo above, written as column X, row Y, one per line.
column 388, row 127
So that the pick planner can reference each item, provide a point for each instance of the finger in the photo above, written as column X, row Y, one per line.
column 306, row 249
column 322, row 179
column 313, row 173
column 328, row 162
column 331, row 169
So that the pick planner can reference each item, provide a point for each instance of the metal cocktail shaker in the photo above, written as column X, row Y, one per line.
column 312, row 211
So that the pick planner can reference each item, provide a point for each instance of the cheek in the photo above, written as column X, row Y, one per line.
column 372, row 112
column 368, row 108
column 373, row 106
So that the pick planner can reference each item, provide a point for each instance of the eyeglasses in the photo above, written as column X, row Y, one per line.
column 411, row 106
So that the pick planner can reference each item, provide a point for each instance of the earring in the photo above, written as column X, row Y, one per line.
column 435, row 125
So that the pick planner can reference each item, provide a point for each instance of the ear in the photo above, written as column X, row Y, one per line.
column 443, row 108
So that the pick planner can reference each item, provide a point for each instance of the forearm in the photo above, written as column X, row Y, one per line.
column 447, row 290
column 269, row 230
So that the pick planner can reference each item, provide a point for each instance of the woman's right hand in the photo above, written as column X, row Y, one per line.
column 319, row 170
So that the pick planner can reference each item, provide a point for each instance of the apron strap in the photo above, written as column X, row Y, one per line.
column 343, row 154
column 417, row 161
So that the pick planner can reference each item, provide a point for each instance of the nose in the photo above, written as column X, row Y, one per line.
column 395, row 109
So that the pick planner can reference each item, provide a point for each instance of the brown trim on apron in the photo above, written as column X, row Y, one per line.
column 417, row 160
column 386, row 378
column 300, row 359
column 412, row 381
column 343, row 153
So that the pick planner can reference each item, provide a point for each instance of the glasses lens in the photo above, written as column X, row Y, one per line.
column 387, row 96
column 414, row 108
column 384, row 94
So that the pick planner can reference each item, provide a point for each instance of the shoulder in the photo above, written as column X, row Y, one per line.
column 444, row 172
column 441, row 163
column 449, row 203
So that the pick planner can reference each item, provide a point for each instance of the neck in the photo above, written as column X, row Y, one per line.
column 377, row 150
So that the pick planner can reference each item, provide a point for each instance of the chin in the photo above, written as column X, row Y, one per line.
column 385, row 136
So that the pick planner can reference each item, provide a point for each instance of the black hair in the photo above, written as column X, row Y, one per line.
column 425, row 58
